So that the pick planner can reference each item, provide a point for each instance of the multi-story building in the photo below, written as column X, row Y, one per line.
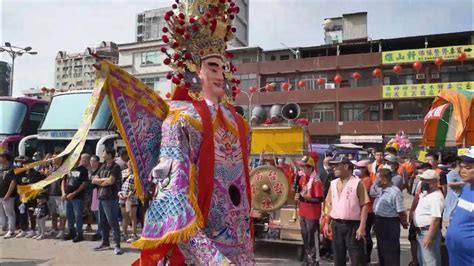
column 76, row 71
column 5, row 72
column 144, row 60
column 366, row 109
column 149, row 24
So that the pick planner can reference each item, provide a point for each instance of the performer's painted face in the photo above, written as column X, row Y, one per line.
column 212, row 76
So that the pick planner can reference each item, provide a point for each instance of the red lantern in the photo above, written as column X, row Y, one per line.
column 321, row 81
column 356, row 76
column 269, row 87
column 338, row 79
column 168, row 95
column 302, row 84
column 417, row 66
column 397, row 69
column 44, row 89
column 439, row 61
column 286, row 86
column 462, row 56
column 252, row 89
column 377, row 73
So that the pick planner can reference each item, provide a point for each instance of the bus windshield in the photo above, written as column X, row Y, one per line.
column 12, row 115
column 66, row 112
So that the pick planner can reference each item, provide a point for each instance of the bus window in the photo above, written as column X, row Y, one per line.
column 36, row 116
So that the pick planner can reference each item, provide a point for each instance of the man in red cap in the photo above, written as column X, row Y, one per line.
column 309, row 201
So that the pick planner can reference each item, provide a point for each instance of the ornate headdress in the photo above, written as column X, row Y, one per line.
column 198, row 29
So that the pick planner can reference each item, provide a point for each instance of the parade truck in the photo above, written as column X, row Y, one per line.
column 63, row 120
column 20, row 117
column 274, row 210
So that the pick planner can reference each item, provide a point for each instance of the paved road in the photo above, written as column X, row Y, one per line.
column 28, row 252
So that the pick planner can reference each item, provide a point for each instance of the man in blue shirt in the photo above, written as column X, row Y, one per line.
column 460, row 235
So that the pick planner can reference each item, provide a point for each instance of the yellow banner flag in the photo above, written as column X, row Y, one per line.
column 73, row 150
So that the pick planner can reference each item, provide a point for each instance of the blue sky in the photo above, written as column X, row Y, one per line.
column 72, row 25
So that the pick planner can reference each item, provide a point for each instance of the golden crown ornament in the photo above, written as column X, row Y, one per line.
column 198, row 29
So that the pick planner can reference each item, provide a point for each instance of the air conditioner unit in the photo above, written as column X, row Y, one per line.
column 388, row 106
column 434, row 75
column 420, row 76
column 330, row 86
column 316, row 120
column 374, row 108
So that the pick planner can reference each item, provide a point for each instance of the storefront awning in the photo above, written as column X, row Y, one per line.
column 361, row 139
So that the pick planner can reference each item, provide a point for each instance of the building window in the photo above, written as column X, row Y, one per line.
column 405, row 77
column 366, row 78
column 277, row 80
column 310, row 80
column 284, row 57
column 251, row 59
column 247, row 80
column 150, row 58
column 374, row 113
column 305, row 110
column 324, row 112
column 457, row 73
column 153, row 83
column 353, row 111
column 410, row 110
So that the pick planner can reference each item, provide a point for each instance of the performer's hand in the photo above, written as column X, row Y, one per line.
column 297, row 196
column 70, row 196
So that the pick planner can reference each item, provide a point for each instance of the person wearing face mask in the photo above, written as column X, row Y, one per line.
column 391, row 162
column 390, row 213
column 427, row 219
column 361, row 171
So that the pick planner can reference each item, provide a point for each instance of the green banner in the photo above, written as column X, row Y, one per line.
column 427, row 54
column 426, row 90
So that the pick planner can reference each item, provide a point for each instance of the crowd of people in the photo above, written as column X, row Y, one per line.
column 347, row 201
column 351, row 201
column 90, row 192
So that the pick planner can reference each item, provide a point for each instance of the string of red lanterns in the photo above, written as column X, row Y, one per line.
column 376, row 73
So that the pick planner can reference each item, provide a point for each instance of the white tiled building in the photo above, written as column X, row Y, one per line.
column 144, row 60
column 75, row 70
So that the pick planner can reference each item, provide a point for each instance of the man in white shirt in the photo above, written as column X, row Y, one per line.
column 427, row 219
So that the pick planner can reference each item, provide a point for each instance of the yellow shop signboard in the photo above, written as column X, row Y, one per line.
column 427, row 54
column 425, row 90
